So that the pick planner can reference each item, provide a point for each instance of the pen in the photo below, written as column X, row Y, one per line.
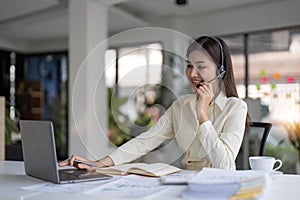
column 85, row 162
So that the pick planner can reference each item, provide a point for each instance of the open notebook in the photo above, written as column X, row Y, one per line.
column 154, row 169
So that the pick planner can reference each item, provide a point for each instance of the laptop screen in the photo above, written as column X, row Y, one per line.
column 39, row 151
column 38, row 144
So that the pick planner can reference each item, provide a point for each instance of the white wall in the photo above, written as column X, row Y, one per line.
column 9, row 45
column 168, row 37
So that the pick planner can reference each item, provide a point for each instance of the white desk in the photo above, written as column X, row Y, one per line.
column 12, row 178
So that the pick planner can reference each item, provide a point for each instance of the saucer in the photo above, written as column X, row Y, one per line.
column 276, row 173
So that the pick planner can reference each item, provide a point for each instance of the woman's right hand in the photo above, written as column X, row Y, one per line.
column 205, row 96
column 104, row 162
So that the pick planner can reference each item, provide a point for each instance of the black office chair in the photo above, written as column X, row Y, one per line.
column 257, row 134
column 266, row 130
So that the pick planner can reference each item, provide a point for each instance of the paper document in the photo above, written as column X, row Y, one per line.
column 73, row 188
column 179, row 178
column 131, row 186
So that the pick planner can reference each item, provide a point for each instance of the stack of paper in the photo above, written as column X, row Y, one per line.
column 219, row 184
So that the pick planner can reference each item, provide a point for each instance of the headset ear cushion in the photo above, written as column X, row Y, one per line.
column 221, row 71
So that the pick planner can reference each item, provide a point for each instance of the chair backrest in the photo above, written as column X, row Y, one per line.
column 2, row 128
column 254, row 143
column 266, row 130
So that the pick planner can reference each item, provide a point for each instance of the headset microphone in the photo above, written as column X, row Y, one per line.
column 219, row 76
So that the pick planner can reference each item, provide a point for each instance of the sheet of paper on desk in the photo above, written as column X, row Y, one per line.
column 73, row 188
column 131, row 186
column 179, row 178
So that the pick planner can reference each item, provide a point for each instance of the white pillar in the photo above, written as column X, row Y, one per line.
column 88, row 119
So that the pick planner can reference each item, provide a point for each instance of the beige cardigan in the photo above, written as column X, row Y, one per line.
column 214, row 143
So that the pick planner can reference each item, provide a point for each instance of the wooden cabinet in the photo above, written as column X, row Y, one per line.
column 30, row 99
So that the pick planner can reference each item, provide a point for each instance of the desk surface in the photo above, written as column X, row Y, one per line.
column 12, row 178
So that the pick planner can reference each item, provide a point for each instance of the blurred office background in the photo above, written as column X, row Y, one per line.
column 104, row 71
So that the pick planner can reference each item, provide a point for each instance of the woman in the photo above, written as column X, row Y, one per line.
column 208, row 125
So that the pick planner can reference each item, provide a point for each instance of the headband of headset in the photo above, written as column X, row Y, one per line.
column 221, row 71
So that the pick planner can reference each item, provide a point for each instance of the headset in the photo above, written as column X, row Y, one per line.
column 221, row 71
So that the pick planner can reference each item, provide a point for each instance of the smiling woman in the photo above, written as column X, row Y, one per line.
column 208, row 125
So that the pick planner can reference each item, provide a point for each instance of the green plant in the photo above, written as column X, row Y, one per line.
column 10, row 125
column 288, row 154
column 121, row 129
column 144, row 119
column 118, row 122
column 293, row 130
column 58, row 117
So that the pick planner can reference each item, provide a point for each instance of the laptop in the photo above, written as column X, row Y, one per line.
column 39, row 153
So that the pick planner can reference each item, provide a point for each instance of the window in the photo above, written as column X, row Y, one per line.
column 123, row 65
column 42, row 94
column 274, row 79
column 236, row 46
column 134, row 76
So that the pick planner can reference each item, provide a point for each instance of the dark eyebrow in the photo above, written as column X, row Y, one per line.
column 198, row 62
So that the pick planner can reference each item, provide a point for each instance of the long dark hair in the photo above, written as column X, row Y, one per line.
column 215, row 47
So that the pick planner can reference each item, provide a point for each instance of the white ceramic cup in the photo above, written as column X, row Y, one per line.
column 264, row 163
